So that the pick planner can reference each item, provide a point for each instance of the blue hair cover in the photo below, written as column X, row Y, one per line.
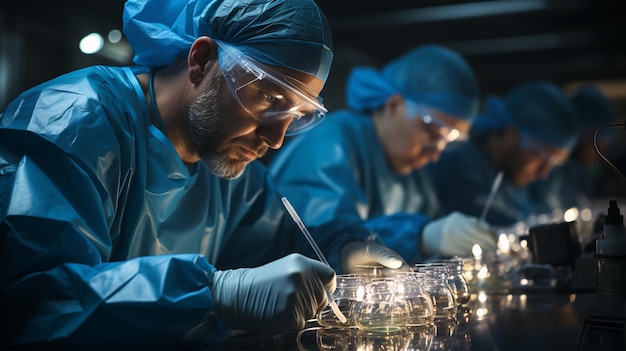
column 593, row 107
column 430, row 75
column 286, row 33
column 538, row 108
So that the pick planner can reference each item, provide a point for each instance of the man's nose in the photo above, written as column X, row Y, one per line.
column 274, row 134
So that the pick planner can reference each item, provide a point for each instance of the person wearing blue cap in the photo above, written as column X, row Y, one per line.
column 524, row 135
column 365, row 162
column 132, row 215
column 572, row 184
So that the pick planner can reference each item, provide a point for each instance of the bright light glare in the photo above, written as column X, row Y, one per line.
column 360, row 292
column 483, row 273
column 503, row 243
column 586, row 215
column 482, row 297
column 477, row 251
column 453, row 135
column 115, row 36
column 91, row 43
column 571, row 214
column 572, row 298
column 481, row 312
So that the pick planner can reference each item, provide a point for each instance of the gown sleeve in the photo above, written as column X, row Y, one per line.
column 329, row 172
column 57, row 285
column 319, row 172
column 66, row 281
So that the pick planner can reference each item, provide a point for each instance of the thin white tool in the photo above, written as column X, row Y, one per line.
column 318, row 252
column 492, row 194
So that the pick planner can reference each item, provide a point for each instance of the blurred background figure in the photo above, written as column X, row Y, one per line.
column 523, row 135
column 573, row 183
column 365, row 161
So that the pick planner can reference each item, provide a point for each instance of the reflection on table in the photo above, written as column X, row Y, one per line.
column 532, row 321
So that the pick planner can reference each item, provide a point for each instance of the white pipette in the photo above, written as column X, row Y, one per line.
column 492, row 194
column 318, row 252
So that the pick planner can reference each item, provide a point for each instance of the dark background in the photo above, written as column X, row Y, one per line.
column 506, row 41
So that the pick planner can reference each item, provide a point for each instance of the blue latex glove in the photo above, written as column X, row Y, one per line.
column 354, row 255
column 280, row 295
column 455, row 234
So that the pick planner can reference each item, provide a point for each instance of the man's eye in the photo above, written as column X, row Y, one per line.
column 272, row 99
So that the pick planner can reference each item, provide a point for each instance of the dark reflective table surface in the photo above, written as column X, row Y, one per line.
column 537, row 321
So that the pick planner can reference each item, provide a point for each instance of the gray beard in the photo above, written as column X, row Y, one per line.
column 207, row 131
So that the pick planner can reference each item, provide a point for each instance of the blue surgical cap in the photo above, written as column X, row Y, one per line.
column 430, row 75
column 540, row 109
column 286, row 33
column 593, row 107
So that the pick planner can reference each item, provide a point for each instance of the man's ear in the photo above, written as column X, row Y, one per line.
column 202, row 55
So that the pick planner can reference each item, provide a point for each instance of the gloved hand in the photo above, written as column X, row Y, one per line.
column 455, row 234
column 369, row 253
column 280, row 295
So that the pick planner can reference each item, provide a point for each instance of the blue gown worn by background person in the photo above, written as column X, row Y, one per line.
column 343, row 172
column 90, row 189
column 341, row 169
column 464, row 177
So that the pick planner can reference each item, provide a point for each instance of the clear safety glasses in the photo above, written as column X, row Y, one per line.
column 439, row 132
column 269, row 96
column 555, row 157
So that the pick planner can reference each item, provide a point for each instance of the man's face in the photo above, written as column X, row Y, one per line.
column 414, row 139
column 226, row 136
column 532, row 160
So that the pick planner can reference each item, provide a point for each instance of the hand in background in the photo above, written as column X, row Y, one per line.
column 369, row 253
column 455, row 234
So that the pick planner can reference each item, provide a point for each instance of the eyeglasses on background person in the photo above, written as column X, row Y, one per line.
column 439, row 131
column 553, row 156
column 269, row 96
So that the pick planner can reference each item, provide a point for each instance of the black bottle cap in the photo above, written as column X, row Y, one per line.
column 613, row 217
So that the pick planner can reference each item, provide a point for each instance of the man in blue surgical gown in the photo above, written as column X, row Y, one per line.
column 128, row 217
column 365, row 162
column 524, row 135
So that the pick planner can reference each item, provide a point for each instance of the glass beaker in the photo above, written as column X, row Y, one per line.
column 372, row 271
column 437, row 285
column 457, row 279
column 350, row 290
column 419, row 303
column 380, row 313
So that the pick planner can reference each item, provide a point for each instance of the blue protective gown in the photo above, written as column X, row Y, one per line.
column 340, row 169
column 463, row 178
column 106, row 236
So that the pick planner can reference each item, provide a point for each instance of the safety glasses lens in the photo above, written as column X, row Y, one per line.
column 435, row 125
column 267, row 95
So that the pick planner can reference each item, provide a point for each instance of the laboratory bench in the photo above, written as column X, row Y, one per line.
column 509, row 321
column 491, row 321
